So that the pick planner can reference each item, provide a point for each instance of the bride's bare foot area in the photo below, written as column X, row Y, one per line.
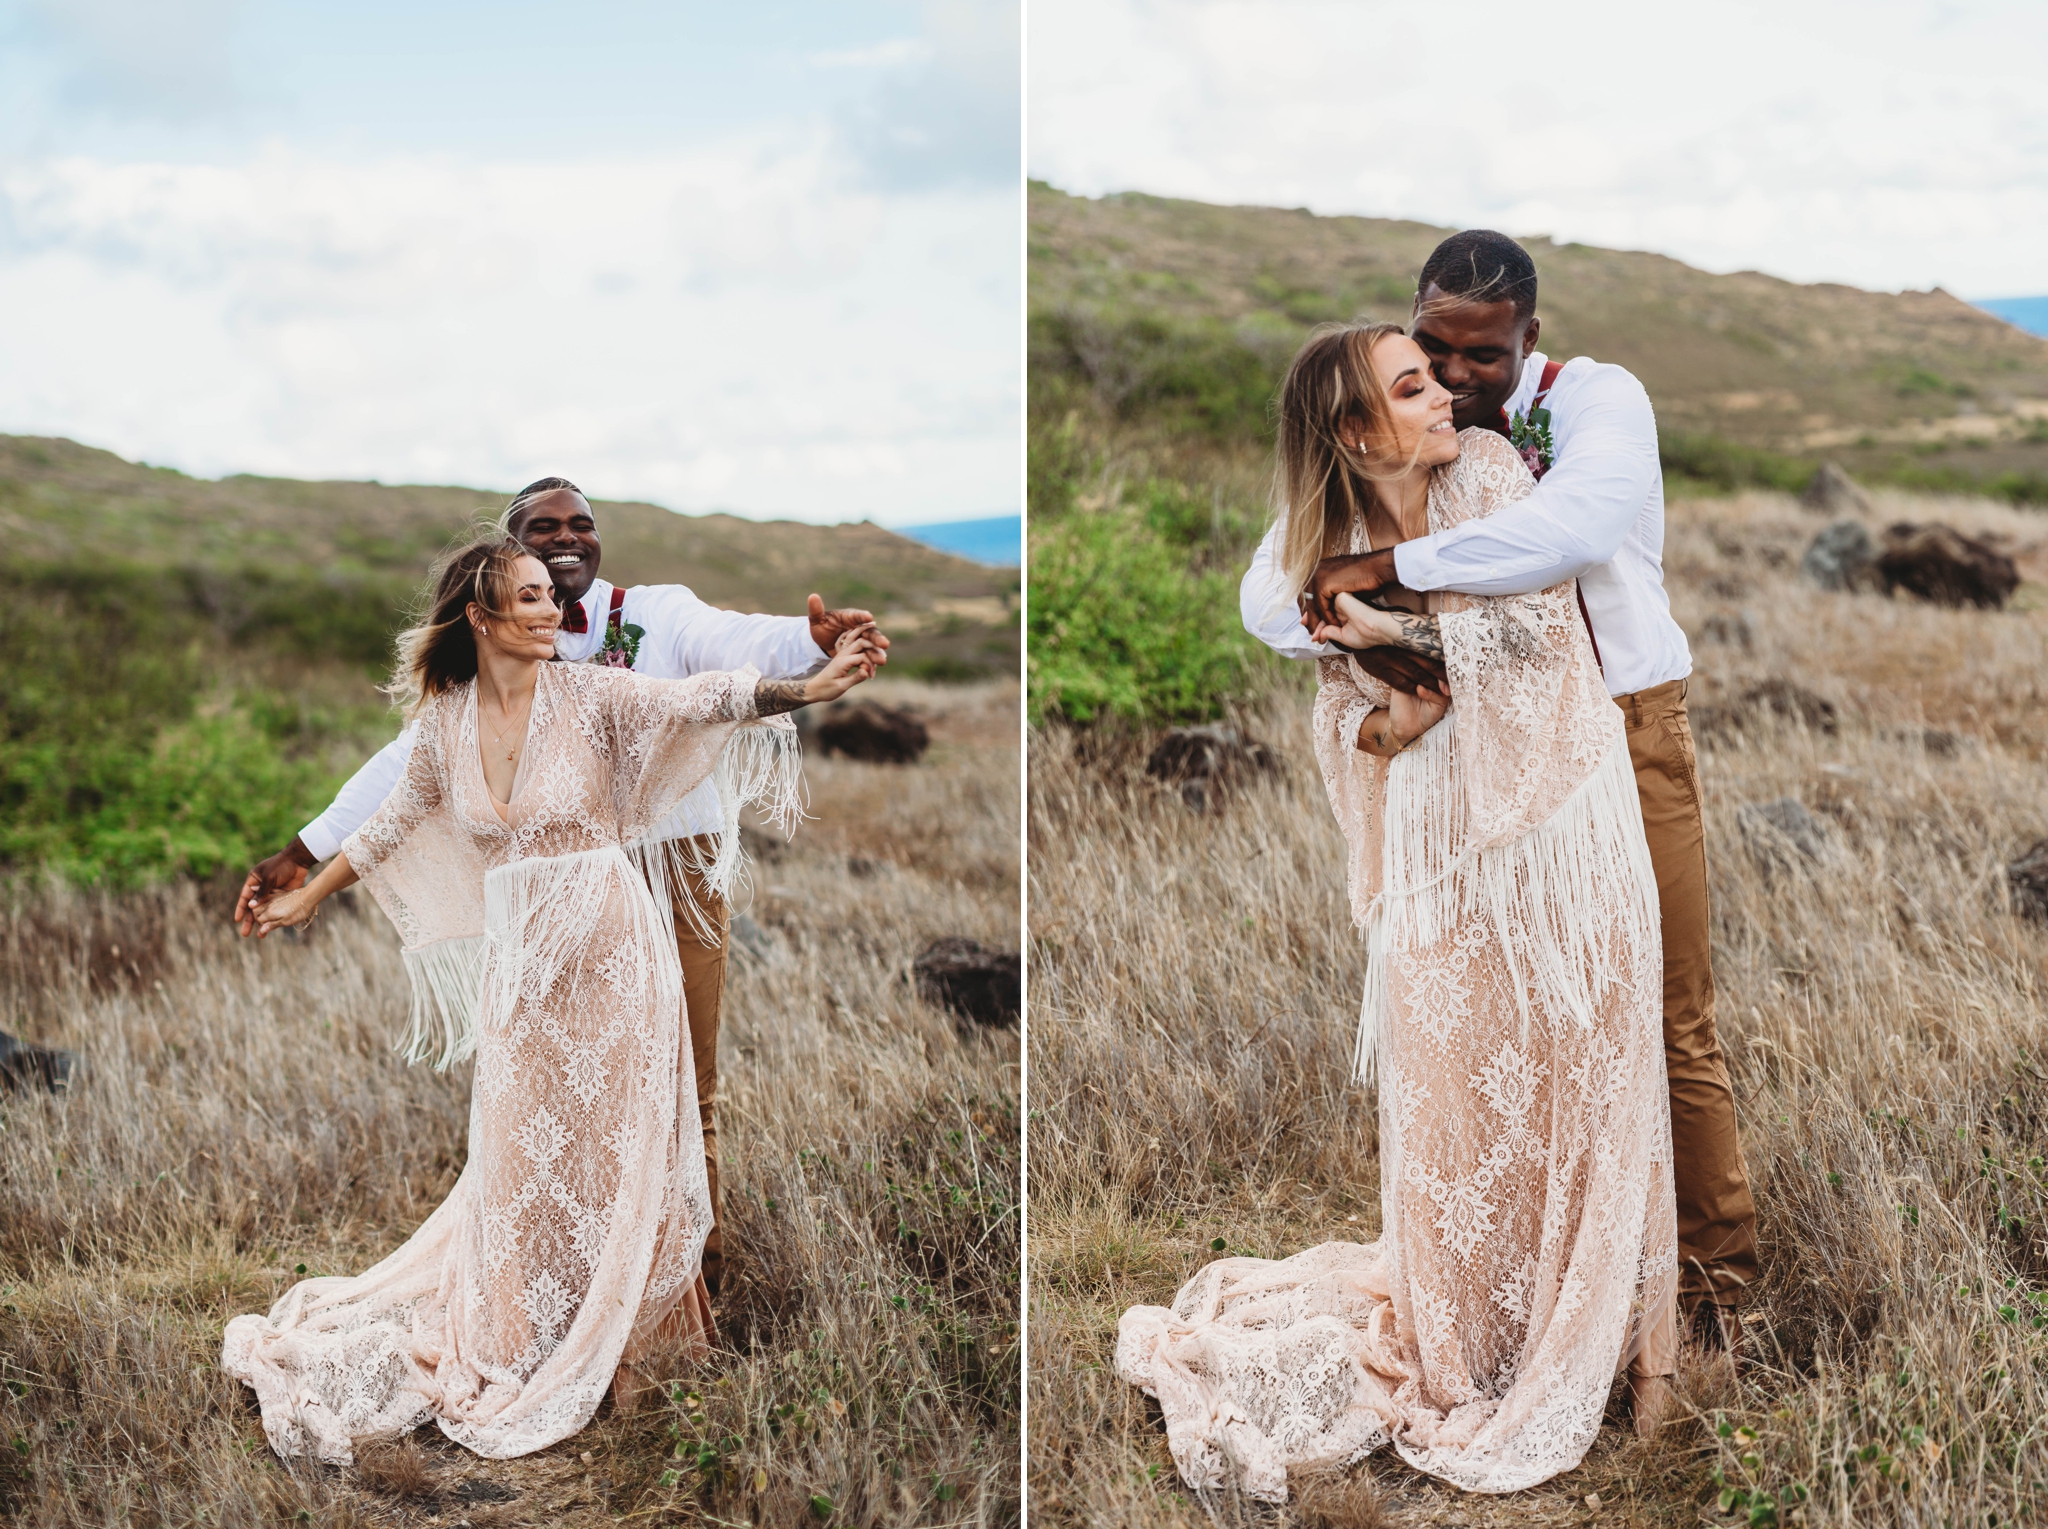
column 1649, row 1402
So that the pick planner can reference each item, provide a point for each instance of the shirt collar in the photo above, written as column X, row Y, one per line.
column 1525, row 390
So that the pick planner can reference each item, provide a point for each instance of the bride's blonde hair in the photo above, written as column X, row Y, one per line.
column 1320, row 485
column 439, row 649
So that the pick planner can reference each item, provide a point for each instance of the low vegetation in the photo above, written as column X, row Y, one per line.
column 1195, row 987
column 242, row 1121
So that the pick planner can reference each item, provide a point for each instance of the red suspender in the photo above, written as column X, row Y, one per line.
column 618, row 605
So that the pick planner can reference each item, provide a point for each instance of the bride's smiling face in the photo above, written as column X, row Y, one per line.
column 1418, row 407
column 528, row 631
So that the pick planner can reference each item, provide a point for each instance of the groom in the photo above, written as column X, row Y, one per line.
column 679, row 635
column 1597, row 515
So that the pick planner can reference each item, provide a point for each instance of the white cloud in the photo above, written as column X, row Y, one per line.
column 1890, row 144
column 744, row 325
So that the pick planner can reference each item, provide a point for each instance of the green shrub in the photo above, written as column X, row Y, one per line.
column 1712, row 462
column 1200, row 376
column 1121, row 626
column 126, row 752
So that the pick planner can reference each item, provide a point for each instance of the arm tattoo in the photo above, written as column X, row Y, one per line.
column 1376, row 735
column 1419, row 634
column 772, row 697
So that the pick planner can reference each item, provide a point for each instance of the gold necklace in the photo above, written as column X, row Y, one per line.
column 499, row 734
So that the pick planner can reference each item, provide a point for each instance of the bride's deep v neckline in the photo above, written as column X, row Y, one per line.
column 503, row 810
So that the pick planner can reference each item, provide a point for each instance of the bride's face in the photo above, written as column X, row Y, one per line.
column 530, row 633
column 1418, row 406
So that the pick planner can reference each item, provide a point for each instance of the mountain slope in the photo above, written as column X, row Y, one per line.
column 1879, row 380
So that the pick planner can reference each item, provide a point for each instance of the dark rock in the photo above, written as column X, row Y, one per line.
column 1732, row 629
column 865, row 869
column 985, row 986
column 1833, row 492
column 1208, row 762
column 1782, row 834
column 873, row 733
column 2028, row 877
column 475, row 1490
column 1941, row 743
column 1843, row 558
column 1940, row 564
column 23, row 1064
column 763, row 846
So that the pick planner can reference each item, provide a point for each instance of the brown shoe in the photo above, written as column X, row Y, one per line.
column 1649, row 1403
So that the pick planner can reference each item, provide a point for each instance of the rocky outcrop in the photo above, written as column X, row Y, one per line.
column 2028, row 878
column 24, row 1065
column 1781, row 699
column 1843, row 559
column 967, row 979
column 1782, row 835
column 872, row 733
column 1831, row 491
column 1941, row 565
column 1209, row 762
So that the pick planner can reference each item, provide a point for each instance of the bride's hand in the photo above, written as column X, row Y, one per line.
column 287, row 910
column 855, row 661
column 1358, row 625
column 1414, row 713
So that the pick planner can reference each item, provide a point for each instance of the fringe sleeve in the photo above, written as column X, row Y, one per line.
column 1355, row 780
column 668, row 737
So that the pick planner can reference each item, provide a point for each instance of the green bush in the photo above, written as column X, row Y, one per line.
column 127, row 754
column 1121, row 626
column 1199, row 376
column 1709, row 461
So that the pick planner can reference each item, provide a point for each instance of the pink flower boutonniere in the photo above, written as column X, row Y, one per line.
column 1530, row 435
column 621, row 645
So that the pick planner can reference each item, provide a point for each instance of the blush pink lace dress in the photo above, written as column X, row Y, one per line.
column 1514, row 1014
column 574, row 1235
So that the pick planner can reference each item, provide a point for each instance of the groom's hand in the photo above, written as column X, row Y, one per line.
column 284, row 871
column 827, row 627
column 1399, row 668
column 1368, row 575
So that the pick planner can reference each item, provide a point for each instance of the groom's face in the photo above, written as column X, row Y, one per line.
column 1476, row 350
column 559, row 529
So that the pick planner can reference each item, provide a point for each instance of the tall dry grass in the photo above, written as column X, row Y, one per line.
column 1194, row 997
column 242, row 1116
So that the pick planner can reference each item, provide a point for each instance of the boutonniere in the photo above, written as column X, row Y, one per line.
column 1530, row 435
column 621, row 644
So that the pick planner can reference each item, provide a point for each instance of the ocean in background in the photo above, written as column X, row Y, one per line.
column 997, row 540
column 2028, row 313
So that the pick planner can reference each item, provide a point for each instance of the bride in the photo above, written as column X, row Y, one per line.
column 1513, row 1013
column 570, row 1245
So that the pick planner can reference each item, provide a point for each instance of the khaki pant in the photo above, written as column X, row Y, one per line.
column 1716, row 1215
column 703, row 990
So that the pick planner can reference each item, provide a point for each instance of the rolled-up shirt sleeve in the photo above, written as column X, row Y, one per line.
column 703, row 637
column 358, row 801
column 1267, row 606
column 1578, row 515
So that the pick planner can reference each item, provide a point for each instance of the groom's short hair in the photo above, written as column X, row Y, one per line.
column 1481, row 266
column 527, row 495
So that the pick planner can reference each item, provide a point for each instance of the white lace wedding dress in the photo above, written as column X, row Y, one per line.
column 574, row 1235
column 1514, row 1013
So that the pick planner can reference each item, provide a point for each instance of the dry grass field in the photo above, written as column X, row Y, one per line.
column 243, row 1119
column 1193, row 999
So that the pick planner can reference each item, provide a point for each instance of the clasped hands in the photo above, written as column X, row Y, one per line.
column 1343, row 604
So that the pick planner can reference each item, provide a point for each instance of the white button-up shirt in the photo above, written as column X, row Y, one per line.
column 684, row 636
column 1597, row 516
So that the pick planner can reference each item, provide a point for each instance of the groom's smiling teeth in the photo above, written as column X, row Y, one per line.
column 565, row 560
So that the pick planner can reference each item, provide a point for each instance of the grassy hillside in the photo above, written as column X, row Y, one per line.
column 1181, row 315
column 192, row 664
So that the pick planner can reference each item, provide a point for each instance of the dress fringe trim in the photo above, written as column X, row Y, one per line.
column 760, row 767
column 1590, row 853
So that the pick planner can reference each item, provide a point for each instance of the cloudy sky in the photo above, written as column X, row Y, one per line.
column 1887, row 143
column 760, row 257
